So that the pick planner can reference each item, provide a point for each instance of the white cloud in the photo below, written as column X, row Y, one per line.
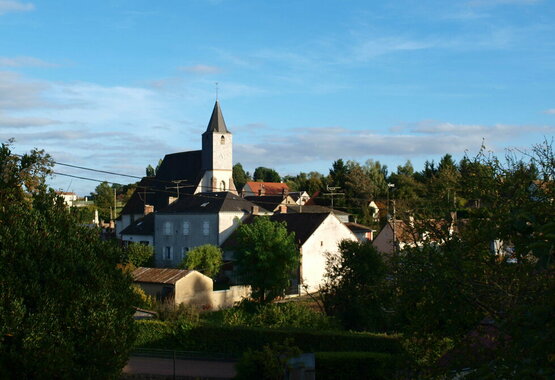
column 422, row 139
column 550, row 111
column 22, row 122
column 15, row 6
column 201, row 69
column 25, row 61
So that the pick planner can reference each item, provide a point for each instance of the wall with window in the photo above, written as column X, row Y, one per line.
column 182, row 232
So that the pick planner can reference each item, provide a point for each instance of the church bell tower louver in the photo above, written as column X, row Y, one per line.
column 217, row 149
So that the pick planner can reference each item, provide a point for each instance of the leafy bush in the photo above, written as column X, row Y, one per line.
column 268, row 363
column 205, row 258
column 290, row 314
column 140, row 255
column 168, row 310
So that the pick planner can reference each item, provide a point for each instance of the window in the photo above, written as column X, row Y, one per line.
column 222, row 186
column 184, row 251
column 186, row 228
column 222, row 140
column 205, row 228
column 167, row 228
column 168, row 253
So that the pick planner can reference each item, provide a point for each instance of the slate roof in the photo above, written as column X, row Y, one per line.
column 142, row 226
column 270, row 188
column 159, row 275
column 217, row 122
column 357, row 227
column 209, row 203
column 303, row 225
column 313, row 209
column 269, row 202
column 183, row 166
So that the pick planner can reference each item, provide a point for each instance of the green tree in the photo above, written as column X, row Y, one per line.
column 65, row 308
column 104, row 199
column 205, row 258
column 266, row 175
column 140, row 255
column 266, row 257
column 353, row 288
column 240, row 178
column 338, row 174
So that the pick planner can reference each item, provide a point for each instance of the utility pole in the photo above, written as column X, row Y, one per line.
column 115, row 204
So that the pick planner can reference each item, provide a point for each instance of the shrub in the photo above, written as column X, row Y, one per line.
column 282, row 315
column 268, row 363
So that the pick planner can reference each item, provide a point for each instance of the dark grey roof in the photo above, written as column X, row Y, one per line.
column 217, row 123
column 183, row 166
column 313, row 209
column 269, row 202
column 210, row 203
column 303, row 225
column 357, row 227
column 142, row 226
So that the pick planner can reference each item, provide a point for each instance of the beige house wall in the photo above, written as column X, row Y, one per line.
column 326, row 238
column 384, row 241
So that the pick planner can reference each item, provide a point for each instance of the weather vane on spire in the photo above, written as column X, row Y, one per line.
column 216, row 90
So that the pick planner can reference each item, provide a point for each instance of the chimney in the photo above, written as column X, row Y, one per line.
column 149, row 209
column 255, row 210
column 262, row 190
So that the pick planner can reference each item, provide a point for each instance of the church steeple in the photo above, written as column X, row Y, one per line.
column 217, row 122
column 217, row 150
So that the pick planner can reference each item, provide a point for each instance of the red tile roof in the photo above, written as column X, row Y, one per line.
column 268, row 188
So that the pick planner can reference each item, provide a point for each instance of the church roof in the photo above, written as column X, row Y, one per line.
column 184, row 167
column 217, row 123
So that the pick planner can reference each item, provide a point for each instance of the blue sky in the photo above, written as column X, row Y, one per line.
column 115, row 85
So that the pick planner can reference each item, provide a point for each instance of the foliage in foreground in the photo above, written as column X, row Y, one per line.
column 65, row 309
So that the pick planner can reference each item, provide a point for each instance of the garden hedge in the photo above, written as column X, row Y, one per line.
column 236, row 340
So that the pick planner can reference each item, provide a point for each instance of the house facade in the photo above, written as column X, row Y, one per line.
column 191, row 221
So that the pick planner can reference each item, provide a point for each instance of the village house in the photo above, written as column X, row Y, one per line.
column 316, row 235
column 274, row 203
column 194, row 220
column 253, row 188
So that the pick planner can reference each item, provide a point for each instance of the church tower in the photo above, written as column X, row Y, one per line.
column 217, row 155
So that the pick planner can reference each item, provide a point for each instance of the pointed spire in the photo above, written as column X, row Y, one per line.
column 217, row 123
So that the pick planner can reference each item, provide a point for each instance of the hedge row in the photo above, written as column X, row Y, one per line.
column 236, row 340
column 356, row 365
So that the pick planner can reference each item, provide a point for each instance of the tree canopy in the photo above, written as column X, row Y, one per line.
column 266, row 175
column 65, row 307
column 266, row 257
column 205, row 258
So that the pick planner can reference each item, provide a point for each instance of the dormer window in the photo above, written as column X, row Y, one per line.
column 222, row 140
